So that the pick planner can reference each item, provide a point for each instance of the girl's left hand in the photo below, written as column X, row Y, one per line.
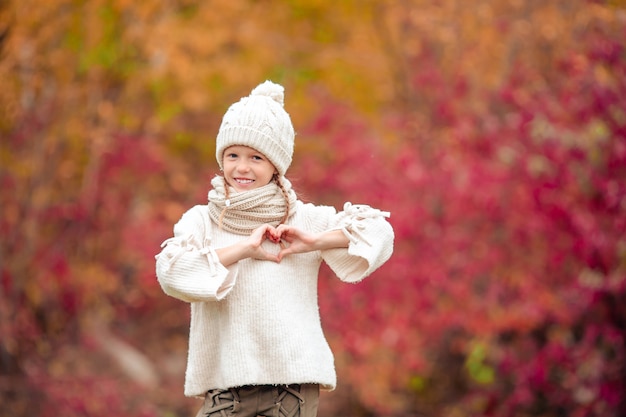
column 298, row 241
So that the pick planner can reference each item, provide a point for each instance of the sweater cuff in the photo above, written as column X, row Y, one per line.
column 191, row 273
column 371, row 243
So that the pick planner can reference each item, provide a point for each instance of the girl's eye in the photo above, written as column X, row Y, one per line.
column 257, row 158
column 231, row 155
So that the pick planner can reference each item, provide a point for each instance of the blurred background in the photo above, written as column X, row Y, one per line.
column 494, row 131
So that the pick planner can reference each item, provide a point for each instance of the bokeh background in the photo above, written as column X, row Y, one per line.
column 494, row 131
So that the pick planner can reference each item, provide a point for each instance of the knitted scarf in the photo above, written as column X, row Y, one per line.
column 245, row 211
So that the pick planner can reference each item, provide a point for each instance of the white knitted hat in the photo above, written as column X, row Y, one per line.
column 260, row 122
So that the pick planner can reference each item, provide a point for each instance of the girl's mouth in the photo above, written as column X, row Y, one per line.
column 243, row 181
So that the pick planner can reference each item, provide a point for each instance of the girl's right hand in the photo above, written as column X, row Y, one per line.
column 255, row 243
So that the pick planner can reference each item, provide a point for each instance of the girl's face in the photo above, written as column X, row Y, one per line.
column 246, row 168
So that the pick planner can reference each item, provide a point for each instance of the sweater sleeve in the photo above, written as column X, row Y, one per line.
column 187, row 267
column 371, row 242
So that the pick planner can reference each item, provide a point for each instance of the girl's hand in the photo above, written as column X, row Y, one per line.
column 255, row 241
column 299, row 241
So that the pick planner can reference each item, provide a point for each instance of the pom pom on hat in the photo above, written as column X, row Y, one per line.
column 260, row 122
column 275, row 91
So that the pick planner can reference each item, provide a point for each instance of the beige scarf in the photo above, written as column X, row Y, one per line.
column 245, row 211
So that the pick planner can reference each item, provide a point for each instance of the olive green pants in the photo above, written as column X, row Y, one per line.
column 262, row 401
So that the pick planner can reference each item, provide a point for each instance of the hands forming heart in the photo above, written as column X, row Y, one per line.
column 290, row 239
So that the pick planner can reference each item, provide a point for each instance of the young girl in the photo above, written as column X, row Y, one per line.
column 248, row 264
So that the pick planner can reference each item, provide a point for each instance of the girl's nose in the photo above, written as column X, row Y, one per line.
column 243, row 166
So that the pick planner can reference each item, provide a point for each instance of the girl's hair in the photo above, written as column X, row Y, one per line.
column 276, row 179
column 285, row 196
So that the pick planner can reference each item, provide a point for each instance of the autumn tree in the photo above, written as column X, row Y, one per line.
column 494, row 132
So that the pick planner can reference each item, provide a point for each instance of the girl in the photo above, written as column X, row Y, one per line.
column 248, row 264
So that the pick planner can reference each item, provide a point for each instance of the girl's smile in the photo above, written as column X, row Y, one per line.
column 246, row 168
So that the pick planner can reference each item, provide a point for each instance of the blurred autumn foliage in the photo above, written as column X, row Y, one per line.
column 494, row 132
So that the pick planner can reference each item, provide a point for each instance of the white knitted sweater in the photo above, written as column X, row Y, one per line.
column 257, row 322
